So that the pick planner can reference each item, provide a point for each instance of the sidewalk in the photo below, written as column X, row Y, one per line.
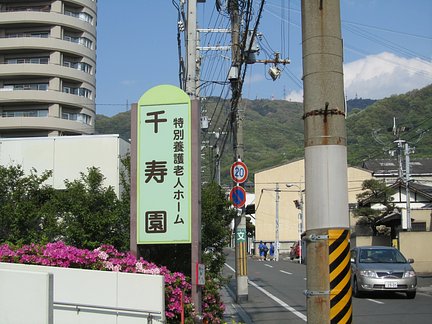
column 424, row 283
column 232, row 309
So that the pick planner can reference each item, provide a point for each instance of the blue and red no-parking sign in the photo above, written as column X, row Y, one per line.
column 238, row 196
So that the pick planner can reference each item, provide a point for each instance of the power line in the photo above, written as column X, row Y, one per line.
column 387, row 30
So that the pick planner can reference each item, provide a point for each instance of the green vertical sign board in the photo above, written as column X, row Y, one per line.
column 241, row 235
column 164, row 166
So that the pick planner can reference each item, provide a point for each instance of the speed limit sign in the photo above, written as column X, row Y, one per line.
column 239, row 172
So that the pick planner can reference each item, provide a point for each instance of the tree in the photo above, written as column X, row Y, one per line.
column 90, row 214
column 24, row 206
column 216, row 217
column 375, row 192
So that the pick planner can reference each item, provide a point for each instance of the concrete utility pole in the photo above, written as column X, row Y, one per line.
column 403, row 148
column 407, row 185
column 217, row 147
column 237, row 127
column 300, row 226
column 191, row 88
column 327, row 227
column 299, row 205
column 191, row 49
column 218, row 176
column 277, row 223
column 400, row 147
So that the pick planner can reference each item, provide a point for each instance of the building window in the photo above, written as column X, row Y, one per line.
column 79, row 66
column 28, row 86
column 28, row 60
column 26, row 113
column 80, row 15
column 69, row 116
column 45, row 8
column 41, row 34
column 84, row 67
column 79, row 40
column 86, row 42
column 418, row 226
column 82, row 92
column 82, row 118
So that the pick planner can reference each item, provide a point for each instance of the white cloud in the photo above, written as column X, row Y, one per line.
column 296, row 96
column 380, row 76
column 385, row 74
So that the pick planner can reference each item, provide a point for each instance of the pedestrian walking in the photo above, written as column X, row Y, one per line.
column 272, row 250
column 266, row 249
column 261, row 247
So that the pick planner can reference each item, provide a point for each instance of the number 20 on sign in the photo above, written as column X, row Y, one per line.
column 239, row 172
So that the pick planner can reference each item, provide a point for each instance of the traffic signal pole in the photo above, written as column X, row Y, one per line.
column 327, row 225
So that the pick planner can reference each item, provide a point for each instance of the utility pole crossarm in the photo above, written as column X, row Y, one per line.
column 283, row 62
column 213, row 30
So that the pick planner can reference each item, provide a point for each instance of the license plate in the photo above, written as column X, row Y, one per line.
column 390, row 284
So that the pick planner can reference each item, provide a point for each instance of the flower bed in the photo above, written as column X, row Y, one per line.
column 107, row 258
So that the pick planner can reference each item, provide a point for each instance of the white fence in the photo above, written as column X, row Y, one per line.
column 38, row 294
column 26, row 297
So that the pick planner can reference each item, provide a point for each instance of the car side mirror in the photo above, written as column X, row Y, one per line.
column 410, row 260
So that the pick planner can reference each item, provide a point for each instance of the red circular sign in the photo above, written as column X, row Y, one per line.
column 238, row 196
column 239, row 172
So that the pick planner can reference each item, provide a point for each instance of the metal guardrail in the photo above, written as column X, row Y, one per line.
column 150, row 315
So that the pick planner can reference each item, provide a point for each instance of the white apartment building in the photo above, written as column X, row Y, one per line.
column 47, row 67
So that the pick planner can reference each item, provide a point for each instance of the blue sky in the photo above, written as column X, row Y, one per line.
column 387, row 49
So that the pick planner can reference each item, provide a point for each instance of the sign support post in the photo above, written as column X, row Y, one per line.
column 239, row 174
column 165, row 175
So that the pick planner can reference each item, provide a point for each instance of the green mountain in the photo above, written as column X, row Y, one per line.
column 273, row 130
column 118, row 124
column 370, row 131
column 273, row 134
column 359, row 104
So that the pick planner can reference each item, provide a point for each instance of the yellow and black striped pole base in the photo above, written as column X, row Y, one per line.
column 328, row 273
column 340, row 276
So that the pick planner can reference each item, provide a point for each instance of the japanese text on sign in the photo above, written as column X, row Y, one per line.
column 163, row 190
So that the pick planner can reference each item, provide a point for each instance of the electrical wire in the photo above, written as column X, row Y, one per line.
column 179, row 47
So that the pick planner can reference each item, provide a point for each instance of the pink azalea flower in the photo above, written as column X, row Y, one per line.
column 106, row 257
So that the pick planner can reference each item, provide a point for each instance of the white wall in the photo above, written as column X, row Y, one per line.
column 103, row 297
column 416, row 245
column 67, row 156
column 26, row 295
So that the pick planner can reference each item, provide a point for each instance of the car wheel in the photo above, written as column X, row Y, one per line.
column 356, row 291
column 411, row 294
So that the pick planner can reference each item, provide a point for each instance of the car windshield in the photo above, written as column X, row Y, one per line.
column 381, row 256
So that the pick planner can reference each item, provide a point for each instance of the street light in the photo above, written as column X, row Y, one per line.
column 299, row 206
column 277, row 191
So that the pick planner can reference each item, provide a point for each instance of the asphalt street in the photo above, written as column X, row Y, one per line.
column 276, row 296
